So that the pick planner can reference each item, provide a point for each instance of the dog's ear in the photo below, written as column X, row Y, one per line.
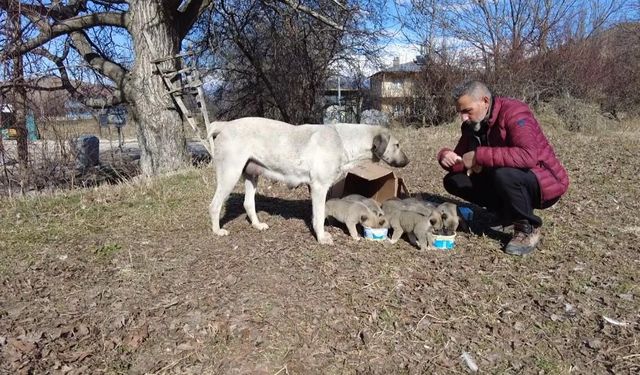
column 433, row 222
column 380, row 143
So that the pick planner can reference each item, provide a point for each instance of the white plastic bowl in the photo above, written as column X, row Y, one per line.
column 375, row 234
column 444, row 242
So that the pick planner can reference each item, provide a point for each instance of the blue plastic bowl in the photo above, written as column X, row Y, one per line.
column 375, row 234
column 444, row 242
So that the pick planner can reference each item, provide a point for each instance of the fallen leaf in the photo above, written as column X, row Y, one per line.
column 135, row 339
column 74, row 356
column 81, row 330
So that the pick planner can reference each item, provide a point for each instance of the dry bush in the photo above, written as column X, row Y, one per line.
column 574, row 115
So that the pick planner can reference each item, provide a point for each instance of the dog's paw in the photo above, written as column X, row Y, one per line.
column 393, row 241
column 325, row 239
column 221, row 232
column 260, row 226
column 356, row 238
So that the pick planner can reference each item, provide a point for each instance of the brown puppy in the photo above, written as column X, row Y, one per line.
column 420, row 228
column 450, row 219
column 352, row 213
column 370, row 203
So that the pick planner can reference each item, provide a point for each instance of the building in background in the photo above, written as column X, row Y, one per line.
column 392, row 89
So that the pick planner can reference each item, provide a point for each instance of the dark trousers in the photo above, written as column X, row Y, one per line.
column 511, row 193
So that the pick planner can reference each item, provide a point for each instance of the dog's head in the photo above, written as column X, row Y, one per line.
column 372, row 220
column 387, row 148
column 450, row 220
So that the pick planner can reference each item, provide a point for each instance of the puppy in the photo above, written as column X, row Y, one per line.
column 370, row 203
column 352, row 213
column 450, row 220
column 419, row 205
column 420, row 228
column 410, row 204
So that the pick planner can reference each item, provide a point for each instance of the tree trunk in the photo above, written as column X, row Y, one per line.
column 19, row 95
column 158, row 123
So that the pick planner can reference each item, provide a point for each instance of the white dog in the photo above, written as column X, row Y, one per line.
column 316, row 155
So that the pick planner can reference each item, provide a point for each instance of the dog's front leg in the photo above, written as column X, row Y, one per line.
column 250, row 186
column 318, row 200
column 397, row 233
column 353, row 231
column 413, row 239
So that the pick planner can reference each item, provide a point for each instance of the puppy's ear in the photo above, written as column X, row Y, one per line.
column 380, row 143
column 433, row 222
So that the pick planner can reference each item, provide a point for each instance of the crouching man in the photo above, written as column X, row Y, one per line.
column 503, row 162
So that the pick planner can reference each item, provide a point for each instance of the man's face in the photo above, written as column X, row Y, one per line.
column 471, row 109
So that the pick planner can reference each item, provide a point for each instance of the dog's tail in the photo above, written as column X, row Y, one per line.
column 215, row 127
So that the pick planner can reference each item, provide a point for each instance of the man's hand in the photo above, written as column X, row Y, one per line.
column 449, row 159
column 469, row 159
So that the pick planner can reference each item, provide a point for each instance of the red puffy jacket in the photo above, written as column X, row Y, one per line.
column 515, row 139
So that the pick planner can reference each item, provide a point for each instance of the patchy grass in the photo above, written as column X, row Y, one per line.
column 129, row 279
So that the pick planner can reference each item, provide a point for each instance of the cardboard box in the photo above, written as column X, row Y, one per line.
column 372, row 181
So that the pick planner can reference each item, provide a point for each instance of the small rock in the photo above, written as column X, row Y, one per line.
column 569, row 309
column 626, row 297
column 594, row 344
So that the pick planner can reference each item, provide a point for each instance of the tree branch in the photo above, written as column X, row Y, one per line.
column 68, row 26
column 117, row 96
column 98, row 62
column 297, row 5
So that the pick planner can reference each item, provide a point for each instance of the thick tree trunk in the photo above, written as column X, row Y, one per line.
column 19, row 94
column 158, row 122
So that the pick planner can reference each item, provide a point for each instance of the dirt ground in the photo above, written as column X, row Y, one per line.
column 128, row 279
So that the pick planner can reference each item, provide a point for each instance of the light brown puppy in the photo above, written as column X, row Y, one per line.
column 420, row 228
column 450, row 219
column 419, row 205
column 352, row 213
column 370, row 203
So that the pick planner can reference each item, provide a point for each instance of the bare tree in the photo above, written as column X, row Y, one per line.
column 272, row 61
column 19, row 97
column 156, row 29
column 518, row 44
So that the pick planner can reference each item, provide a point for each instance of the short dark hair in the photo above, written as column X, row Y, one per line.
column 475, row 89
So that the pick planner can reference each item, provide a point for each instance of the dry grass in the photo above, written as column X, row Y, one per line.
column 129, row 279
